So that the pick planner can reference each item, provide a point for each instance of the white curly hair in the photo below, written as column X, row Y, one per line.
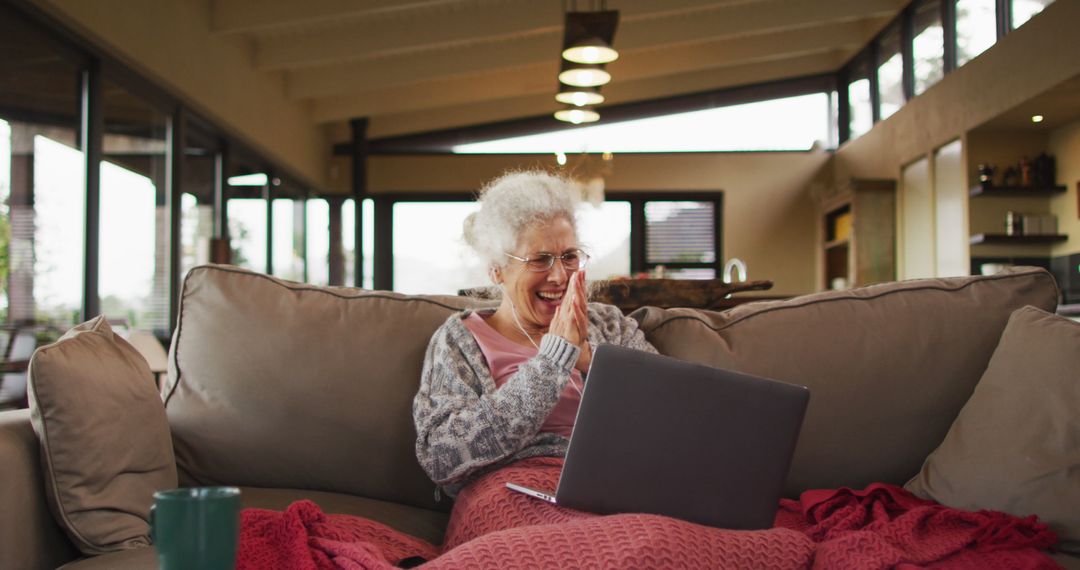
column 513, row 202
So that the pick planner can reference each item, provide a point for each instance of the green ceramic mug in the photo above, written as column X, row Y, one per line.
column 196, row 527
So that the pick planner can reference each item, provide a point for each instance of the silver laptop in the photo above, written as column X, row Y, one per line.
column 663, row 436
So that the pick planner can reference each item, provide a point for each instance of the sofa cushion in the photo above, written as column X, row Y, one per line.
column 278, row 384
column 1015, row 446
column 888, row 366
column 30, row 537
column 105, row 446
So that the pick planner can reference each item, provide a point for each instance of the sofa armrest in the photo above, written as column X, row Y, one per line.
column 29, row 536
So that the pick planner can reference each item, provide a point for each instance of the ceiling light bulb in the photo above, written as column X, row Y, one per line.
column 579, row 96
column 591, row 51
column 577, row 116
column 1036, row 118
column 585, row 77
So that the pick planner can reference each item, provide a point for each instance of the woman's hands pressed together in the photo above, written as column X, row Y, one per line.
column 571, row 320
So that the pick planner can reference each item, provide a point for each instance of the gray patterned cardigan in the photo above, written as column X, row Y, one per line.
column 466, row 427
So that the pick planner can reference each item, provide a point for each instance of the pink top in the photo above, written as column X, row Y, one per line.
column 505, row 356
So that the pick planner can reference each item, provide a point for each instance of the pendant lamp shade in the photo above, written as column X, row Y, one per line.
column 579, row 96
column 592, row 50
column 577, row 115
column 584, row 76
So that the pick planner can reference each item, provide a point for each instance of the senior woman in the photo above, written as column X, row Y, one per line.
column 502, row 385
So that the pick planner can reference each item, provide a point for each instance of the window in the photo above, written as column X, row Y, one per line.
column 318, row 241
column 430, row 255
column 681, row 236
column 348, row 238
column 1024, row 10
column 288, row 243
column 42, row 178
column 134, row 274
column 197, row 210
column 859, row 103
column 677, row 231
column 47, row 238
column 605, row 234
column 247, row 232
column 44, row 254
column 928, row 45
column 732, row 128
column 196, row 229
column 890, row 73
column 976, row 28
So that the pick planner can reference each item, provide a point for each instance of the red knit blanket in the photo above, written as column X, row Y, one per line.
column 882, row 526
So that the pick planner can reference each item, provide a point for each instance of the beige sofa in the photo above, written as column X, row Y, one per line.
column 293, row 391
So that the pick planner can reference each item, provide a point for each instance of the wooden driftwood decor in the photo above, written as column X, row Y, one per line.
column 630, row 294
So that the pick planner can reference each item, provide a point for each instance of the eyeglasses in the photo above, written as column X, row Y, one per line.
column 572, row 260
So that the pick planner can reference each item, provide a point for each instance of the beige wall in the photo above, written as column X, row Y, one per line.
column 769, row 219
column 950, row 207
column 1028, row 62
column 1064, row 144
column 917, row 227
column 170, row 41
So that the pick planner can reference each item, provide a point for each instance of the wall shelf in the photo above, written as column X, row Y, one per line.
column 979, row 239
column 1016, row 191
column 857, row 234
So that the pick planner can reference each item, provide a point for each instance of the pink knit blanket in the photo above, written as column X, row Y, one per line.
column 881, row 526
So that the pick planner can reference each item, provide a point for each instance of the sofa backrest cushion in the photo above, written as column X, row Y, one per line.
column 1015, row 446
column 888, row 366
column 278, row 384
column 105, row 446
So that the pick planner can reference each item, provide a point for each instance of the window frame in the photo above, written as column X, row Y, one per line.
column 383, row 203
column 96, row 65
column 905, row 22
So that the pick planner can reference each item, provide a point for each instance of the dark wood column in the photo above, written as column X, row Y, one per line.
column 384, row 244
column 359, row 192
column 336, row 257
column 91, row 133
column 220, row 250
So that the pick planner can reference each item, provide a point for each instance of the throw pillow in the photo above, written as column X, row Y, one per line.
column 1015, row 446
column 105, row 443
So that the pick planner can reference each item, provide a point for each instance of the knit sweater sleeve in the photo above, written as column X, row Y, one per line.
column 608, row 325
column 462, row 423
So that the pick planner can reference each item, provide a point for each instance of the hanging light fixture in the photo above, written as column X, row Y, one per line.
column 588, row 35
column 579, row 96
column 577, row 115
column 587, row 40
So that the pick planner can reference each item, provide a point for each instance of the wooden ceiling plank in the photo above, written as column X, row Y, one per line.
column 260, row 16
column 411, row 100
column 506, row 22
column 385, row 74
column 398, row 37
